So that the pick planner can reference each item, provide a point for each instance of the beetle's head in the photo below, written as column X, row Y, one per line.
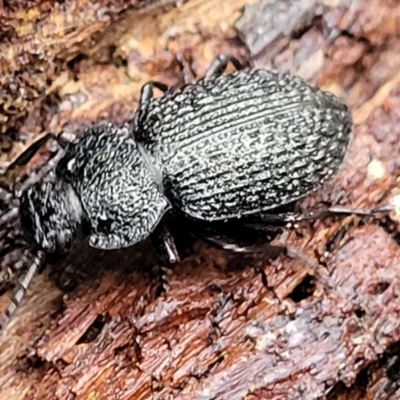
column 51, row 215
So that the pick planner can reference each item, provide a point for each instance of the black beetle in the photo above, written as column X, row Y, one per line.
column 227, row 148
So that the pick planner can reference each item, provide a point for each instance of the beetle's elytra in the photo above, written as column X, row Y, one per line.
column 244, row 143
column 223, row 148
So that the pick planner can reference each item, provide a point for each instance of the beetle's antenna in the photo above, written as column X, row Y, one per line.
column 23, row 286
column 9, row 177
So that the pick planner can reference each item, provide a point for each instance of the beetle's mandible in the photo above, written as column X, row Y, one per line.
column 224, row 148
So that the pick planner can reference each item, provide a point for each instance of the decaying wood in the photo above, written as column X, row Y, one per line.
column 91, row 326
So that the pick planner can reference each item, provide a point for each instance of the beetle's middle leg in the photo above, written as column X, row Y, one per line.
column 146, row 94
column 262, row 249
column 167, row 253
column 248, row 245
column 165, row 245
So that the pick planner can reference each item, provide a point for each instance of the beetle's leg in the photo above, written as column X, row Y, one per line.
column 23, row 286
column 359, row 211
column 217, row 313
column 146, row 93
column 15, row 168
column 263, row 249
column 232, row 245
column 256, row 251
column 27, row 155
column 167, row 252
column 264, row 219
column 34, row 178
column 185, row 72
column 165, row 245
column 218, row 66
column 253, row 239
column 231, row 236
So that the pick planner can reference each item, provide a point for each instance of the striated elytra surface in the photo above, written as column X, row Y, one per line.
column 244, row 142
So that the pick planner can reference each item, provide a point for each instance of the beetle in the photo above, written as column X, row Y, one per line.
column 231, row 148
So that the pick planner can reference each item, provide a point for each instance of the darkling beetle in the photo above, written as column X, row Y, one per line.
column 229, row 148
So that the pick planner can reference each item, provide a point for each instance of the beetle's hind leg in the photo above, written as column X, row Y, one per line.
column 243, row 245
column 263, row 248
column 285, row 218
column 257, row 247
column 218, row 66
column 263, row 222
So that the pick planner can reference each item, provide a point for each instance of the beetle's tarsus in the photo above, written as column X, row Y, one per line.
column 359, row 211
column 217, row 315
column 160, row 275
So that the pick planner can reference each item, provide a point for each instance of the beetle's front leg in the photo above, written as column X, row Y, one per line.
column 146, row 93
column 218, row 66
column 24, row 283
